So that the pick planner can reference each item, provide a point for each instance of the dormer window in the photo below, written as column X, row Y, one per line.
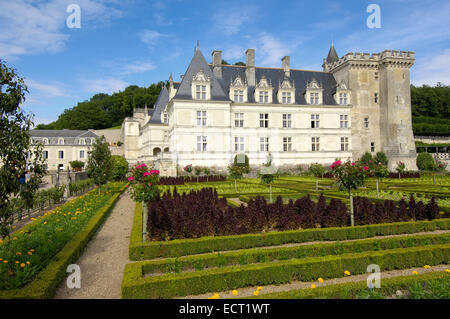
column 263, row 91
column 61, row 141
column 200, row 91
column 201, row 86
column 263, row 97
column 286, row 91
column 342, row 96
column 238, row 96
column 45, row 141
column 166, row 118
column 314, row 92
column 238, row 90
column 82, row 141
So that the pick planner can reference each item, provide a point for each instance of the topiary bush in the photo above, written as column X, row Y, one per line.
column 425, row 162
column 119, row 168
column 366, row 158
column 380, row 157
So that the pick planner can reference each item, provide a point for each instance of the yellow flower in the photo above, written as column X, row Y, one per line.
column 426, row 266
column 447, row 271
column 313, row 286
column 15, row 238
column 28, row 262
column 415, row 272
column 259, row 288
column 215, row 296
column 347, row 273
column 256, row 292
column 17, row 262
column 22, row 265
column 32, row 250
column 320, row 280
column 30, row 253
column 18, row 253
column 234, row 292
column 45, row 223
column 5, row 261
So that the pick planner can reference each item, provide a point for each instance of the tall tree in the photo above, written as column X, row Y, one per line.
column 15, row 142
column 99, row 163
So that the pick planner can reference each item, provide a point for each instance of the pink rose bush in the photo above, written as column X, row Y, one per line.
column 143, row 183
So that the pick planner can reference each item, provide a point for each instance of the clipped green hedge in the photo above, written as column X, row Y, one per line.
column 46, row 281
column 349, row 290
column 305, row 269
column 258, row 255
column 139, row 250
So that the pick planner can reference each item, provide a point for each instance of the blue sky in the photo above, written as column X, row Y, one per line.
column 124, row 42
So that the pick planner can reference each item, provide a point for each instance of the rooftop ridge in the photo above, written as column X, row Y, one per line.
column 270, row 68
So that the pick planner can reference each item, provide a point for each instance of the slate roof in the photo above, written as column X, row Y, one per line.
column 71, row 137
column 220, row 87
column 332, row 55
column 160, row 104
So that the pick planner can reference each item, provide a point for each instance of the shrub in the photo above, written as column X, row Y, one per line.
column 119, row 168
column 381, row 157
column 76, row 165
column 425, row 162
column 143, row 184
column 366, row 158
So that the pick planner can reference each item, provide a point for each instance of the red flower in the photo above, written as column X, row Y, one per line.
column 365, row 168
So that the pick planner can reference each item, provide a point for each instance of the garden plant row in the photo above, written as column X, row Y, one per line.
column 34, row 259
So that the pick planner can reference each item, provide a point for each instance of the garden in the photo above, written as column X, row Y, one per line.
column 265, row 237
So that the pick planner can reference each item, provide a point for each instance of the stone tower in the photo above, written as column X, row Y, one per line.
column 380, row 117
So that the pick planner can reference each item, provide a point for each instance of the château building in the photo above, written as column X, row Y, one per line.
column 358, row 103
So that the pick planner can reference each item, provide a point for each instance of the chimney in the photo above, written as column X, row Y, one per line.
column 217, row 63
column 250, row 67
column 286, row 65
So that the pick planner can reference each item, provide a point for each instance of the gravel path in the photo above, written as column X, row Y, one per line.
column 248, row 291
column 103, row 260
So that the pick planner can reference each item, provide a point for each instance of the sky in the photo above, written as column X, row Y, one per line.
column 138, row 42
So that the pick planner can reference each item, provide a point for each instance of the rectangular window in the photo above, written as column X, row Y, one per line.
column 314, row 120
column 375, row 97
column 81, row 154
column 286, row 97
column 200, row 91
column 263, row 120
column 238, row 96
column 313, row 98
column 287, row 144
column 343, row 98
column 372, row 147
column 201, row 118
column 264, row 144
column 238, row 143
column 376, row 75
column 344, row 143
column 60, row 154
column 166, row 118
column 343, row 121
column 238, row 119
column 287, row 120
column 366, row 122
column 264, row 97
column 201, row 143
column 46, row 154
column 315, row 144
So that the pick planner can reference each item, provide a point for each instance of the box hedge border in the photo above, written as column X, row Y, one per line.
column 349, row 290
column 134, row 285
column 258, row 255
column 145, row 250
column 47, row 280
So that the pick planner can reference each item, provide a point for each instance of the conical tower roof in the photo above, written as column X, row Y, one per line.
column 332, row 55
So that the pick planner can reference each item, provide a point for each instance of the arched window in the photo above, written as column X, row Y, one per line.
column 45, row 141
column 61, row 141
column 156, row 151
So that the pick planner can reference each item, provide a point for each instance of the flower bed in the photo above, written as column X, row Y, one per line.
column 181, row 180
column 34, row 247
column 203, row 213
column 305, row 269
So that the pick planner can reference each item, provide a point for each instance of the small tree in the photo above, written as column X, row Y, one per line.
column 143, row 184
column 349, row 176
column 401, row 167
column 380, row 157
column 425, row 162
column 241, row 160
column 236, row 172
column 119, row 168
column 207, row 172
column 268, row 174
column 380, row 171
column 188, row 169
column 317, row 170
column 366, row 158
column 198, row 171
column 99, row 162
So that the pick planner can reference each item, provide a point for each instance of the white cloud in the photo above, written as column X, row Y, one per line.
column 28, row 27
column 39, row 89
column 230, row 22
column 138, row 67
column 433, row 70
column 272, row 50
column 151, row 37
column 108, row 85
column 234, row 52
